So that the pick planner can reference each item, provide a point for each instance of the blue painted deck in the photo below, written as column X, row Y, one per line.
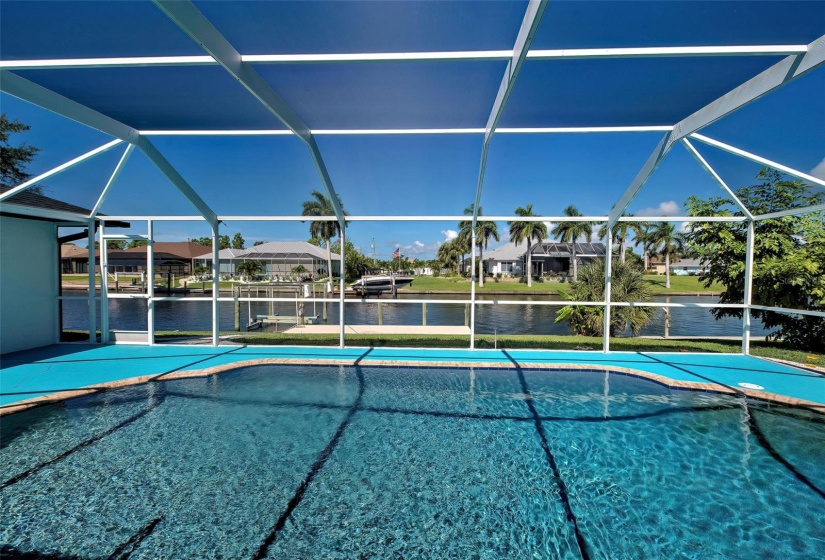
column 43, row 371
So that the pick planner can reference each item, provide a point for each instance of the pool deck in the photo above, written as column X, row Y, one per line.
column 52, row 373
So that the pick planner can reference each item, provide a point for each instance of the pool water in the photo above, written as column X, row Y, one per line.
column 351, row 462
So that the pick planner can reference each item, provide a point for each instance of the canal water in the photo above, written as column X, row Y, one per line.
column 130, row 314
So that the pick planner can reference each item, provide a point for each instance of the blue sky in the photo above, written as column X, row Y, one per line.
column 412, row 175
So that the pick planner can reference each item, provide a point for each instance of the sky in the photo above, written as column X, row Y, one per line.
column 412, row 174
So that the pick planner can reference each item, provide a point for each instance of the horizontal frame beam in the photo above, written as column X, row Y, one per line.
column 447, row 218
column 421, row 56
column 411, row 131
column 788, row 311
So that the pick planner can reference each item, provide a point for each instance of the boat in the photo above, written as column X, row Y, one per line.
column 375, row 285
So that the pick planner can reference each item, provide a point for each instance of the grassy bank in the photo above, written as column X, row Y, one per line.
column 689, row 284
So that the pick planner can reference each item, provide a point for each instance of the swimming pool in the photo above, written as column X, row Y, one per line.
column 343, row 462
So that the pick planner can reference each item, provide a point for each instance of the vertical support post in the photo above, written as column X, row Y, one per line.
column 608, row 280
column 424, row 314
column 746, row 313
column 236, row 293
column 58, row 334
column 150, row 273
column 473, row 291
column 92, row 310
column 104, row 289
column 216, row 284
column 380, row 314
column 342, row 325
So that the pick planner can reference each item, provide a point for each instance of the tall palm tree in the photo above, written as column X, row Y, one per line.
column 320, row 205
column 570, row 232
column 620, row 231
column 449, row 253
column 640, row 232
column 484, row 231
column 527, row 231
column 665, row 240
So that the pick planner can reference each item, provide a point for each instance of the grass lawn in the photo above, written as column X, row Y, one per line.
column 78, row 277
column 446, row 283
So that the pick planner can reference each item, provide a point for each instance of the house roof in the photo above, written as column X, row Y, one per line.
column 69, row 251
column 274, row 250
column 547, row 248
column 554, row 249
column 187, row 250
column 35, row 200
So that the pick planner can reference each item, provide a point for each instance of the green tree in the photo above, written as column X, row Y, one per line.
column 250, row 268
column 258, row 243
column 356, row 264
column 14, row 159
column 113, row 245
column 320, row 205
column 484, row 231
column 570, row 232
column 223, row 241
column 527, row 231
column 449, row 255
column 666, row 241
column 627, row 284
column 137, row 243
column 788, row 257
column 238, row 241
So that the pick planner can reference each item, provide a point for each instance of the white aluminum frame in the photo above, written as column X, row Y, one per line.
column 440, row 56
column 801, row 59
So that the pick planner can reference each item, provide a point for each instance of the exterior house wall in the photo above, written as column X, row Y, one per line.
column 28, row 284
column 507, row 267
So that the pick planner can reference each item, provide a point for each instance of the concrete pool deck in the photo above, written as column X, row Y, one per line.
column 52, row 373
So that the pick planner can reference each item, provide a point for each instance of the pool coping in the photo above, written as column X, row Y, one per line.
column 366, row 362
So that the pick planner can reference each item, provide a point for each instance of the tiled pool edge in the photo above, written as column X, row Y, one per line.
column 214, row 370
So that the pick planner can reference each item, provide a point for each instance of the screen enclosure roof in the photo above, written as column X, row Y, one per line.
column 140, row 70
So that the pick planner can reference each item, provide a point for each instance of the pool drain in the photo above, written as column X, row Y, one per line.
column 753, row 386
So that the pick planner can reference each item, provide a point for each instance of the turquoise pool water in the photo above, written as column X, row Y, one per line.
column 349, row 462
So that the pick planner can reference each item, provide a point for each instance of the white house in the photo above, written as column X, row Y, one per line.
column 278, row 258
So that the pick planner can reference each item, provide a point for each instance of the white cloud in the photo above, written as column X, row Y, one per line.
column 669, row 208
column 819, row 170
column 419, row 248
column 449, row 234
column 549, row 226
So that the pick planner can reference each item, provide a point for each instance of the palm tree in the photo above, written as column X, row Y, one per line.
column 665, row 240
column 322, row 206
column 627, row 284
column 640, row 232
column 484, row 231
column 527, row 231
column 449, row 254
column 569, row 232
column 620, row 231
